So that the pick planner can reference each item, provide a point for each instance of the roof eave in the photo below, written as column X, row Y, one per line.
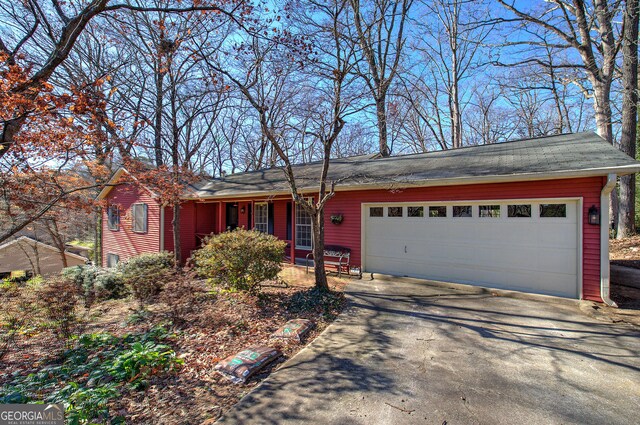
column 110, row 184
column 563, row 174
column 114, row 180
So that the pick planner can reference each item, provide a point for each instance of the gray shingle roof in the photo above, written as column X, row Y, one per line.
column 567, row 155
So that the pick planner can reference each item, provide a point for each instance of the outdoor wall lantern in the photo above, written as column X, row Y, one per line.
column 594, row 215
column 242, row 210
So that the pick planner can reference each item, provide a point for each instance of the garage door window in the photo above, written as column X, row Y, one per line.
column 437, row 211
column 553, row 210
column 415, row 212
column 462, row 210
column 489, row 211
column 394, row 212
column 519, row 211
column 376, row 212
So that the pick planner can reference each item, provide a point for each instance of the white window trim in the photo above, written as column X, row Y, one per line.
column 133, row 218
column 255, row 217
column 310, row 226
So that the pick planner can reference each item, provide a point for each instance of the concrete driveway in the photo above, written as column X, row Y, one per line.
column 409, row 353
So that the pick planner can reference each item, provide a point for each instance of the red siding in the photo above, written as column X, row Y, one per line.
column 222, row 217
column 125, row 242
column 349, row 204
column 280, row 219
column 205, row 218
column 188, row 238
column 243, row 217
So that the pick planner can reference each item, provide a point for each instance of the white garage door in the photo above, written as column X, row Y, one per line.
column 529, row 245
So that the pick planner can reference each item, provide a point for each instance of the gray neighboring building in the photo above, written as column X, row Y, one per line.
column 25, row 253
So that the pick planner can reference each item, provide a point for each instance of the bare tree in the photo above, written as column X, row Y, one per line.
column 180, row 105
column 588, row 30
column 449, row 44
column 380, row 32
column 628, row 139
column 36, row 38
column 61, row 24
column 311, row 103
column 488, row 121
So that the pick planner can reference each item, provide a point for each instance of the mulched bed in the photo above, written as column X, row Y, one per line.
column 218, row 326
column 626, row 297
column 221, row 328
column 625, row 252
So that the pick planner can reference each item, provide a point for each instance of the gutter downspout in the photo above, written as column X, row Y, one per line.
column 605, row 271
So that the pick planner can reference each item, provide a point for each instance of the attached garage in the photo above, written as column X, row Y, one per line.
column 530, row 245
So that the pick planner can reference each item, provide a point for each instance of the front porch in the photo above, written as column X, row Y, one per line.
column 277, row 216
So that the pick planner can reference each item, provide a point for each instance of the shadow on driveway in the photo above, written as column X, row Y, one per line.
column 406, row 352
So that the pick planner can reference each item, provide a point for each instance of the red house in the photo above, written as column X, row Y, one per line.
column 529, row 215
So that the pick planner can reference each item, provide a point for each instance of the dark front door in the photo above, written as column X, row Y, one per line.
column 232, row 216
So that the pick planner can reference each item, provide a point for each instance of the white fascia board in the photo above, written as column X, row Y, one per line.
column 114, row 179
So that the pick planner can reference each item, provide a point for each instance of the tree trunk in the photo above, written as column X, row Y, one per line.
column 177, row 254
column 456, row 117
column 318, row 251
column 58, row 240
column 157, row 130
column 602, row 108
column 97, row 240
column 63, row 254
column 454, row 95
column 36, row 254
column 626, row 205
column 381, row 113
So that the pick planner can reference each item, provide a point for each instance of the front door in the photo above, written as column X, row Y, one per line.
column 232, row 216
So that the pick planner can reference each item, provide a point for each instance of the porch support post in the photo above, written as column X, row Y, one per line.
column 252, row 225
column 293, row 232
column 220, row 217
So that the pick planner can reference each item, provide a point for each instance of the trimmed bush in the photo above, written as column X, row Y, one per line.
column 145, row 274
column 241, row 259
column 74, row 273
column 97, row 283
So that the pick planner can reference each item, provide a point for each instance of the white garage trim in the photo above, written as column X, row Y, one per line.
column 605, row 265
column 574, row 202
